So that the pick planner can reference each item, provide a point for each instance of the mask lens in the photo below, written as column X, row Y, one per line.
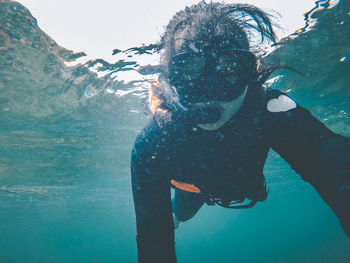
column 191, row 66
column 230, row 69
column 228, row 63
column 186, row 67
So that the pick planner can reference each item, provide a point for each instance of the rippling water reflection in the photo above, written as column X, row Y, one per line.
column 66, row 133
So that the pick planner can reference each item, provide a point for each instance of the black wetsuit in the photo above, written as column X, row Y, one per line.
column 228, row 164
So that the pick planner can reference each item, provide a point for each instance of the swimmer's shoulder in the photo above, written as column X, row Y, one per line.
column 148, row 135
column 151, row 139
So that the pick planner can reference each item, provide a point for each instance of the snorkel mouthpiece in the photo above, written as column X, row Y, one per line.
column 227, row 111
column 208, row 115
column 212, row 115
column 200, row 115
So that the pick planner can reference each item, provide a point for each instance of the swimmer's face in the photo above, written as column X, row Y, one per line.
column 210, row 62
column 210, row 71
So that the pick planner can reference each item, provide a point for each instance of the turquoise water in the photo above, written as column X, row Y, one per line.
column 66, row 134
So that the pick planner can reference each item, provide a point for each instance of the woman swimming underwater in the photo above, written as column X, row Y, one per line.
column 213, row 125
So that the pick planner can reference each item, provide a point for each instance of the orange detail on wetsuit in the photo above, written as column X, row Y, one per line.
column 186, row 187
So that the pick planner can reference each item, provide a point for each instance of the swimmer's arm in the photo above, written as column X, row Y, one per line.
column 320, row 156
column 152, row 199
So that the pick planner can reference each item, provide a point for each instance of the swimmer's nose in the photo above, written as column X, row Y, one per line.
column 211, row 83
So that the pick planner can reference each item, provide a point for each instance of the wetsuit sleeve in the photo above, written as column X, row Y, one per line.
column 320, row 156
column 152, row 199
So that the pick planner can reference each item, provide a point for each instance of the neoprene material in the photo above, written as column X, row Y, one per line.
column 228, row 163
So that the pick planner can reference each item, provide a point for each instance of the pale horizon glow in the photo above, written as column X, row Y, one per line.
column 98, row 27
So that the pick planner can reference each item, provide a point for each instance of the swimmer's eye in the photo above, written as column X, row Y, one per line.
column 232, row 79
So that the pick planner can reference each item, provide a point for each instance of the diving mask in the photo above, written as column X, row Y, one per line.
column 212, row 76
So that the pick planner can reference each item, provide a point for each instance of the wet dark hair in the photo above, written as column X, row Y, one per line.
column 239, row 24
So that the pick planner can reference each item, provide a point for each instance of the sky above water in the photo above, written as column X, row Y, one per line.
column 98, row 27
